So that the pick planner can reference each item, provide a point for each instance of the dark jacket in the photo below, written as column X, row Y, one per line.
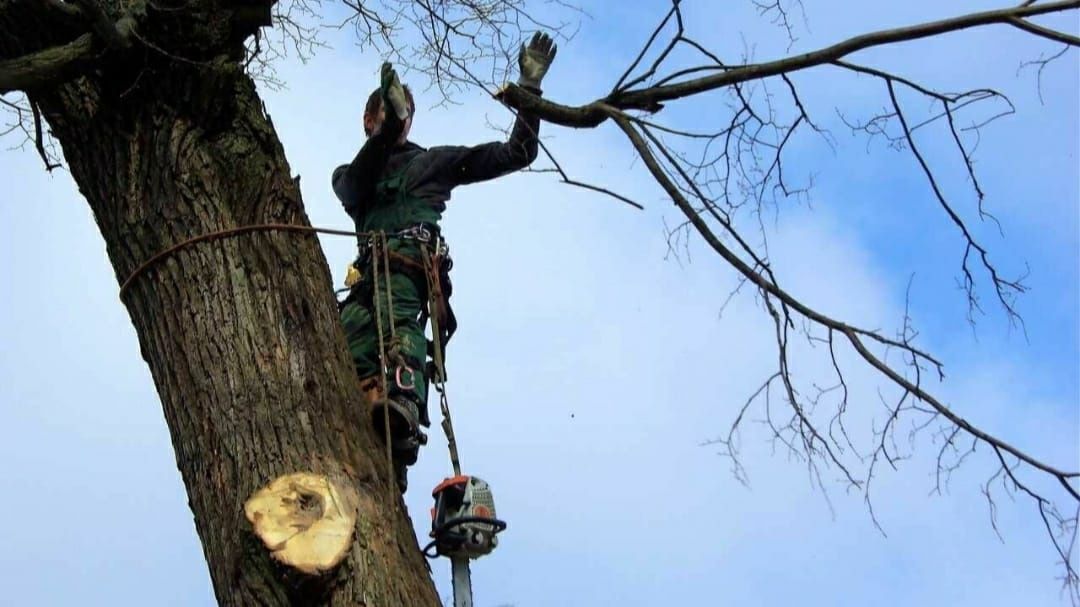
column 430, row 174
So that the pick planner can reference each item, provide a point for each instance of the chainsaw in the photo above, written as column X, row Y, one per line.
column 463, row 523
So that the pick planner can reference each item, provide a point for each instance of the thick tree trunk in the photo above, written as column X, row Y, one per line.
column 241, row 334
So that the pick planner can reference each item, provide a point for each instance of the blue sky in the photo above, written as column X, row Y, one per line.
column 588, row 368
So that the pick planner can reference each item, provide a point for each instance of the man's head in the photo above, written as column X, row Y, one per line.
column 374, row 113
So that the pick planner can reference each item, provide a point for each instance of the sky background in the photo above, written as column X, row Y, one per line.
column 591, row 365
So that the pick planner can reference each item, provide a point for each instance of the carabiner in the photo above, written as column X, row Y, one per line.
column 412, row 378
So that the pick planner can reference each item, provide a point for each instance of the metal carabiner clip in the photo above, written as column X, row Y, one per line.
column 412, row 378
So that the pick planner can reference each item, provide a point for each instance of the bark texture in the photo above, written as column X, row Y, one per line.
column 170, row 141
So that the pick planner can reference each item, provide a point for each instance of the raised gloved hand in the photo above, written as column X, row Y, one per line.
column 393, row 93
column 535, row 59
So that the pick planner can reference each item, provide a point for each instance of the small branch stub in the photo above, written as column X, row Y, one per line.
column 304, row 520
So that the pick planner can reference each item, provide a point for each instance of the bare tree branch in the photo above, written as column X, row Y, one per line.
column 1006, row 289
column 651, row 98
column 854, row 335
column 45, row 67
column 1044, row 32
column 115, row 34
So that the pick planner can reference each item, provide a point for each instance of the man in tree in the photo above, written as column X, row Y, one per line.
column 397, row 188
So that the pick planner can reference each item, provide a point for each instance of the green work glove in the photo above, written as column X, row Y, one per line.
column 535, row 60
column 393, row 94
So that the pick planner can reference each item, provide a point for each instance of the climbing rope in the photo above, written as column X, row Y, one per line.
column 379, row 246
column 260, row 227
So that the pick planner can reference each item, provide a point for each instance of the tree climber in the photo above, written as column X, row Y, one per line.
column 398, row 188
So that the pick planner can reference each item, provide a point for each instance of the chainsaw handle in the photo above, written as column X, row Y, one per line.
column 498, row 527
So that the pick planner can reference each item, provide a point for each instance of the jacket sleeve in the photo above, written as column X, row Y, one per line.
column 495, row 159
column 354, row 183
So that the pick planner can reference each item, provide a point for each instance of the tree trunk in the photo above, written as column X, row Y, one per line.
column 241, row 334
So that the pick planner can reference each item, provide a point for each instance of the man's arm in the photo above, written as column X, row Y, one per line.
column 354, row 183
column 495, row 159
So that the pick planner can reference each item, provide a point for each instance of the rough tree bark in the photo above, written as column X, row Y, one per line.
column 241, row 335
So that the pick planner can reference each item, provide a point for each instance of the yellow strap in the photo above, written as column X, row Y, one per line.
column 352, row 276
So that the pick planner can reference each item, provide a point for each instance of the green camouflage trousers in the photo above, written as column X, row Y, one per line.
column 406, row 349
